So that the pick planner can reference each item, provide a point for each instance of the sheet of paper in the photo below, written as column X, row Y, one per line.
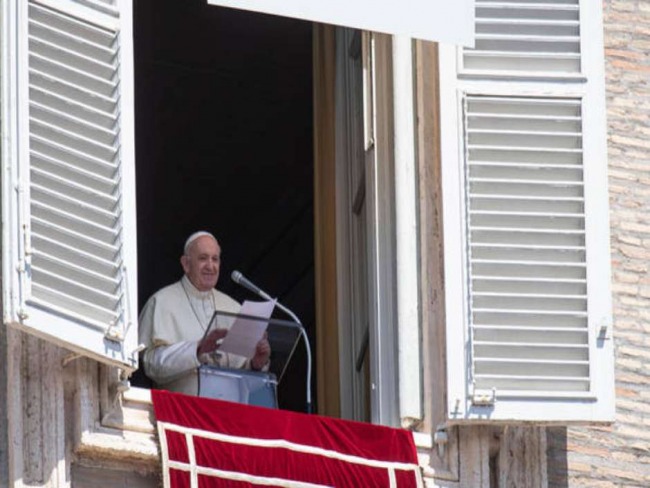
column 245, row 333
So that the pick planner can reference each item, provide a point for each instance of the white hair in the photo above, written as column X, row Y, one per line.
column 194, row 237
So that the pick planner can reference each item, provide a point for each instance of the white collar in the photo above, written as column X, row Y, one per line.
column 193, row 291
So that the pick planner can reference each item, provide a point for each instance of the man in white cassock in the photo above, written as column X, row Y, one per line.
column 174, row 321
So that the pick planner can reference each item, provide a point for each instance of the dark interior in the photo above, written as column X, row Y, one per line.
column 224, row 143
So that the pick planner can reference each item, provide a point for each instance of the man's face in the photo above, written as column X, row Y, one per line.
column 201, row 264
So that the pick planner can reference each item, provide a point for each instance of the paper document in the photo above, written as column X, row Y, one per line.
column 245, row 333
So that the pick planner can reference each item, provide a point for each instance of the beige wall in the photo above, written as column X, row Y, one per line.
column 64, row 426
column 620, row 455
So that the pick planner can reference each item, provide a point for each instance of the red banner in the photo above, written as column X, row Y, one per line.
column 211, row 443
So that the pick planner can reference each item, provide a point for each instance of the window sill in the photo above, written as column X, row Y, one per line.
column 126, row 433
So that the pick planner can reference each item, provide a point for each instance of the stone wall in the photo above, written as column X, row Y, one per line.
column 64, row 426
column 619, row 455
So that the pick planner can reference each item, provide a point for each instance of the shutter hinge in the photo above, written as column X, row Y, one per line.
column 114, row 333
column 604, row 329
column 484, row 398
column 25, row 264
column 27, row 242
column 440, row 439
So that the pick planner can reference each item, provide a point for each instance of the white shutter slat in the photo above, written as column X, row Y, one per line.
column 500, row 140
column 510, row 221
column 511, row 64
column 522, row 151
column 488, row 295
column 502, row 301
column 534, row 108
column 527, row 39
column 510, row 179
column 526, row 215
column 522, row 166
column 560, row 335
column 533, row 318
column 532, row 351
column 527, row 236
column 487, row 284
column 478, row 244
column 500, row 203
column 523, row 155
column 513, row 188
column 486, row 253
column 530, row 384
column 75, row 176
column 521, row 269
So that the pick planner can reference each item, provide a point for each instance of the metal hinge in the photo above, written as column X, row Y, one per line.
column 604, row 331
column 441, row 439
column 114, row 333
column 484, row 398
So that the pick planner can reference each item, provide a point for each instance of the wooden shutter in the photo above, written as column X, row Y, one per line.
column 73, row 236
column 524, row 176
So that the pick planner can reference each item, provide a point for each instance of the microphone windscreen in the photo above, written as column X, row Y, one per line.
column 236, row 276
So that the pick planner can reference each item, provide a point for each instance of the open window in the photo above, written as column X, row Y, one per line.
column 221, row 87
column 523, row 170
column 224, row 128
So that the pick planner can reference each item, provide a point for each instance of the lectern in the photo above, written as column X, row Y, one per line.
column 245, row 386
column 238, row 385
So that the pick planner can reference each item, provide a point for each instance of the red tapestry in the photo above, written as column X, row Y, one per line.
column 212, row 443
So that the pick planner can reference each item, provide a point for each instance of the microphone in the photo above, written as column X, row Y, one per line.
column 240, row 279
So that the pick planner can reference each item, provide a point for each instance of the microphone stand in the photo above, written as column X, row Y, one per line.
column 303, row 333
column 306, row 339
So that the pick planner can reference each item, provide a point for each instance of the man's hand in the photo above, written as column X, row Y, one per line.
column 209, row 344
column 262, row 354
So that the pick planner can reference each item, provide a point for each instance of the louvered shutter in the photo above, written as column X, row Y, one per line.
column 526, row 219
column 70, row 273
column 525, row 37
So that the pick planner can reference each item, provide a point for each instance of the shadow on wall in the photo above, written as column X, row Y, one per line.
column 556, row 450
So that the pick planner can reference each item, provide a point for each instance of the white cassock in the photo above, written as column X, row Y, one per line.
column 172, row 323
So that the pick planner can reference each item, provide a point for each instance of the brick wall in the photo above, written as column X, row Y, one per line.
column 619, row 455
